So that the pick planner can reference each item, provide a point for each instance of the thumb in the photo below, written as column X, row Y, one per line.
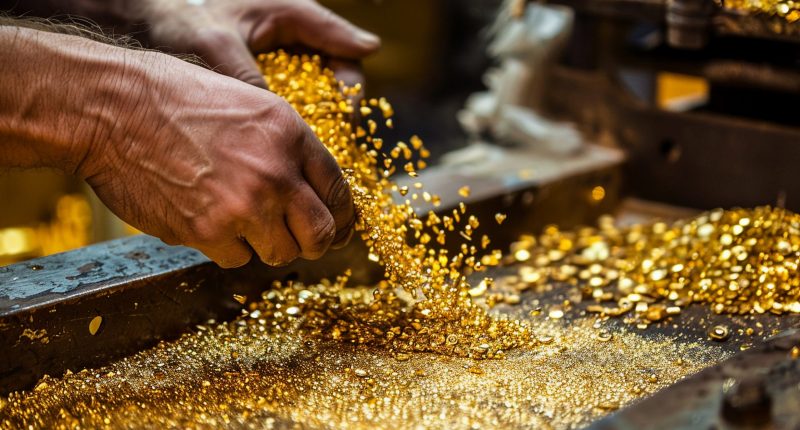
column 226, row 53
column 317, row 27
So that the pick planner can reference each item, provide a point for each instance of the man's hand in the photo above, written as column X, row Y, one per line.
column 180, row 152
column 226, row 33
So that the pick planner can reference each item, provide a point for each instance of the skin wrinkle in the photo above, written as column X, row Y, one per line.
column 323, row 228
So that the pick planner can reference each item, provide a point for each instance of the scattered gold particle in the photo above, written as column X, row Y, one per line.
column 604, row 336
column 94, row 325
column 475, row 369
column 239, row 298
column 719, row 333
column 795, row 352
column 598, row 193
column 464, row 191
column 499, row 218
column 522, row 255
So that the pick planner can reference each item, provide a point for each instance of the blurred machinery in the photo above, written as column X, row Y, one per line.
column 702, row 95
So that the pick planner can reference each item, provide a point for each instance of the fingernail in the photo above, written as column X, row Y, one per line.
column 367, row 39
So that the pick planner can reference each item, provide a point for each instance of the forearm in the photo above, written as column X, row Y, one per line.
column 60, row 96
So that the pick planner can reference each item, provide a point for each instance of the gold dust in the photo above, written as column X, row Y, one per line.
column 475, row 370
column 277, row 380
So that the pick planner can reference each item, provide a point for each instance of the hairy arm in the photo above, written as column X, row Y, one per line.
column 57, row 91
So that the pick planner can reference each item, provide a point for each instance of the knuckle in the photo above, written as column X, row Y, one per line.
column 326, row 16
column 203, row 236
column 279, row 182
column 241, row 209
column 204, row 232
column 338, row 198
column 321, row 234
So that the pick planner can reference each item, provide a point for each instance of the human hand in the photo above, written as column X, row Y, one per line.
column 200, row 159
column 226, row 33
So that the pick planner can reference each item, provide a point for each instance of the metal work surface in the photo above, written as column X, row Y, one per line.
column 242, row 375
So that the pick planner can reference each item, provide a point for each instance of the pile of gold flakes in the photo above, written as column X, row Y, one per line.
column 736, row 262
column 787, row 9
column 443, row 317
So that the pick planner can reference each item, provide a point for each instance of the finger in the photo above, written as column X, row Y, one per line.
column 310, row 222
column 273, row 242
column 229, row 254
column 325, row 177
column 317, row 27
column 226, row 53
